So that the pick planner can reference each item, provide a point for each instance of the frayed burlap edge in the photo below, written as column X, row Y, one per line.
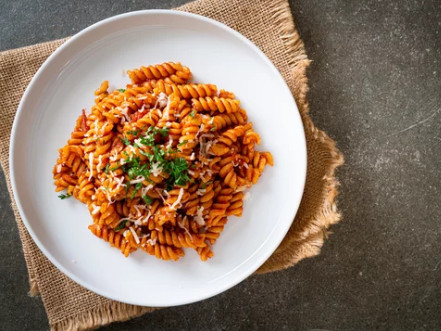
column 305, row 237
column 100, row 316
column 307, row 234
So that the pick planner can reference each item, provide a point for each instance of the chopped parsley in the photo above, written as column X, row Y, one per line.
column 125, row 141
column 122, row 90
column 206, row 184
column 213, row 127
column 121, row 226
column 152, row 132
column 147, row 200
column 115, row 167
column 106, row 169
column 178, row 171
column 137, row 187
column 192, row 114
column 135, row 132
column 183, row 143
column 64, row 196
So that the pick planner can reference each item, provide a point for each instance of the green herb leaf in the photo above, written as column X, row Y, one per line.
column 125, row 141
column 178, row 171
column 137, row 187
column 213, row 127
column 115, row 167
column 163, row 131
column 64, row 196
column 147, row 200
column 106, row 169
column 206, row 184
column 192, row 114
column 121, row 226
column 122, row 90
column 134, row 132
column 183, row 143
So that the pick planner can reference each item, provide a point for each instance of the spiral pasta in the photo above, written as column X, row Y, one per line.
column 162, row 163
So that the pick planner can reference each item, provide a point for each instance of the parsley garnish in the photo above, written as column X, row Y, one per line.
column 149, row 139
column 122, row 90
column 147, row 200
column 137, row 187
column 115, row 167
column 134, row 132
column 163, row 131
column 183, row 143
column 206, row 184
column 64, row 196
column 121, row 226
column 192, row 114
column 106, row 169
column 125, row 141
column 213, row 128
column 177, row 169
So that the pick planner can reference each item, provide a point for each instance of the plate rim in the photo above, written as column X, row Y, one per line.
column 20, row 110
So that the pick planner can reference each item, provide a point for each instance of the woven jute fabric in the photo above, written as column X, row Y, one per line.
column 269, row 25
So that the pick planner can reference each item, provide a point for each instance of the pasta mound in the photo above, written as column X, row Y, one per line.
column 162, row 163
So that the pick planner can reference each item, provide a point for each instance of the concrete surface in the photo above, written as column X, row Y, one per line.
column 375, row 88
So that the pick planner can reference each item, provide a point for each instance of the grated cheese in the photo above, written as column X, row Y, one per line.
column 183, row 227
column 134, row 235
column 170, row 142
column 91, row 165
column 96, row 209
column 104, row 127
column 199, row 217
column 247, row 196
column 156, row 169
column 98, row 167
column 178, row 200
column 201, row 129
column 151, row 241
column 114, row 156
column 126, row 115
column 241, row 188
column 159, row 192
column 138, row 179
column 146, row 219
column 144, row 190
column 59, row 168
column 119, row 182
column 161, row 101
column 138, row 142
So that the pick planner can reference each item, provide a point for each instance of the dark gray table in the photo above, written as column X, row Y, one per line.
column 375, row 88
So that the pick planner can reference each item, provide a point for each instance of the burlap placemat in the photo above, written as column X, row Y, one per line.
column 270, row 26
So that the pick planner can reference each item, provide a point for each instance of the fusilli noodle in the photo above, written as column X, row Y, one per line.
column 161, row 164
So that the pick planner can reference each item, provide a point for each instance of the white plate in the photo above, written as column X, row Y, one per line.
column 65, row 84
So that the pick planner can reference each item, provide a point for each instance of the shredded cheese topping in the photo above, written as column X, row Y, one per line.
column 178, row 200
column 91, row 165
column 199, row 216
